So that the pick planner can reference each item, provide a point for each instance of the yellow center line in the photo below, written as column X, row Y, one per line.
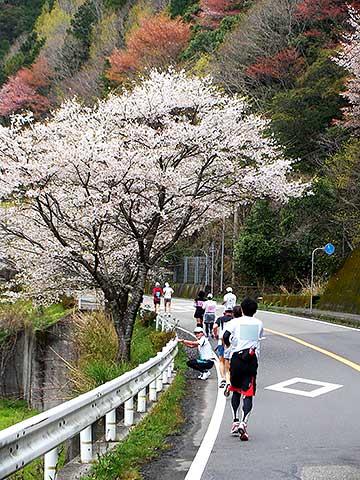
column 339, row 358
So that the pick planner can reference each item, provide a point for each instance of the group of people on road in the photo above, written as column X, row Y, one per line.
column 165, row 292
column 238, row 335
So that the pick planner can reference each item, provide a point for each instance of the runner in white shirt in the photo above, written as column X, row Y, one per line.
column 209, row 315
column 167, row 293
column 206, row 354
column 229, row 299
column 243, row 334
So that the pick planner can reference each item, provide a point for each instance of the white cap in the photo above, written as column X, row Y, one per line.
column 166, row 284
column 229, row 289
column 210, row 295
column 198, row 330
column 157, row 284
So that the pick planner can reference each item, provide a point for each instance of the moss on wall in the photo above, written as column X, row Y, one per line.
column 343, row 290
column 302, row 301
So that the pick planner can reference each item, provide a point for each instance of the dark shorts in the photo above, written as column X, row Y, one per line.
column 156, row 301
column 220, row 350
column 243, row 370
column 199, row 313
column 167, row 300
column 200, row 365
column 209, row 317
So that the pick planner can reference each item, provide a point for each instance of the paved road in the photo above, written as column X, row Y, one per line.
column 294, row 435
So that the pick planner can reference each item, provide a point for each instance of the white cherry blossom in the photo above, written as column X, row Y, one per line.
column 94, row 197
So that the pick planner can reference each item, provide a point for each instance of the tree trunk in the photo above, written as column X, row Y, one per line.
column 124, row 314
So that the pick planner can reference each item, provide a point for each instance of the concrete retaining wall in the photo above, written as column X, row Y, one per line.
column 33, row 368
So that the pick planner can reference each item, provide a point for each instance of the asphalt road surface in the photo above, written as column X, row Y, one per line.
column 305, row 421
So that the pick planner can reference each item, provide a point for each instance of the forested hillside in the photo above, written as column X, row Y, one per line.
column 297, row 62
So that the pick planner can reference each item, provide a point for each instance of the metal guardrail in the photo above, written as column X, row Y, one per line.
column 165, row 322
column 42, row 434
column 90, row 302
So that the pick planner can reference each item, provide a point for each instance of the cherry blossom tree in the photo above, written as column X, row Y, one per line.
column 349, row 58
column 95, row 197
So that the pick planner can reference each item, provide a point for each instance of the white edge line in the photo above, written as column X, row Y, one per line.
column 332, row 324
column 202, row 456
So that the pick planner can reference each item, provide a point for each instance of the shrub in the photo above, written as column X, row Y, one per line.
column 147, row 318
column 160, row 339
column 95, row 337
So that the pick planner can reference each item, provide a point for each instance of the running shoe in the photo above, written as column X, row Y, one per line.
column 226, row 390
column 244, row 437
column 205, row 375
column 235, row 428
column 200, row 376
column 222, row 384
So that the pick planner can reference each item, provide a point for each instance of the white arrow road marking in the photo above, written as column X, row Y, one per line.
column 323, row 387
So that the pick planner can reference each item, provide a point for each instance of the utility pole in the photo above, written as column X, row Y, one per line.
column 222, row 256
column 234, row 239
column 212, row 266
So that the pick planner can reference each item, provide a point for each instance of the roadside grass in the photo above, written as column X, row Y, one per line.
column 147, row 439
column 14, row 411
column 97, row 345
column 98, row 348
column 22, row 314
column 11, row 412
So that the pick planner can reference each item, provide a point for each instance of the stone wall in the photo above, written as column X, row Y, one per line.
column 33, row 365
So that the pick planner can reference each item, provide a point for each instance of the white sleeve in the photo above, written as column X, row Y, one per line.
column 228, row 326
column 201, row 341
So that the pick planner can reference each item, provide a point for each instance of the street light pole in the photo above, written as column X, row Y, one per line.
column 329, row 249
column 312, row 276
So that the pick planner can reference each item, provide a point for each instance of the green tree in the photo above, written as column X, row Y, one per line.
column 300, row 115
column 180, row 7
column 344, row 171
column 77, row 46
column 275, row 245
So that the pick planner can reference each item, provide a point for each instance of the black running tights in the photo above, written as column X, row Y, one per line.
column 246, row 407
column 208, row 329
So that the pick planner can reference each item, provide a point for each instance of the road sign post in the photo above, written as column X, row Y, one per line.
column 329, row 249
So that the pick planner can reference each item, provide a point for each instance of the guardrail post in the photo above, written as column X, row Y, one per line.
column 165, row 379
column 129, row 412
column 157, row 322
column 110, row 426
column 152, row 392
column 50, row 464
column 141, row 401
column 163, row 324
column 86, row 447
column 169, row 373
column 159, row 383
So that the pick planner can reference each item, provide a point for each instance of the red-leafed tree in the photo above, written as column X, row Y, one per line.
column 323, row 10
column 213, row 11
column 283, row 66
column 157, row 42
column 219, row 7
column 23, row 91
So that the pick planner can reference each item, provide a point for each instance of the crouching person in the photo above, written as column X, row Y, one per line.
column 205, row 362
